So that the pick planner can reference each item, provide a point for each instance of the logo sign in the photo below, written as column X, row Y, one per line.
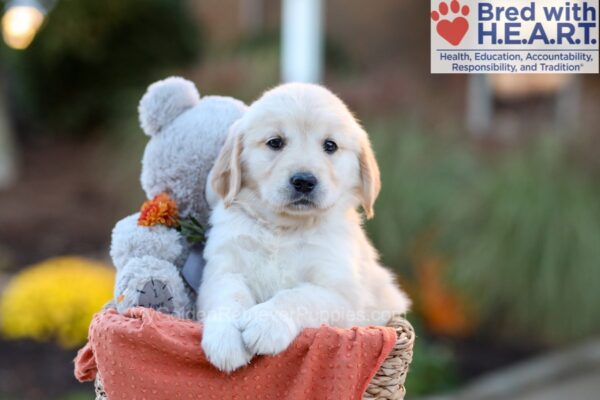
column 514, row 36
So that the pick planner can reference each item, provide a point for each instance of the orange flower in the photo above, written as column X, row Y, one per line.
column 444, row 309
column 161, row 210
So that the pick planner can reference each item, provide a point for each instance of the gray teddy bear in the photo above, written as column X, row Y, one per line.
column 186, row 134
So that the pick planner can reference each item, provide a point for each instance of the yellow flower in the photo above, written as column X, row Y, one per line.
column 55, row 299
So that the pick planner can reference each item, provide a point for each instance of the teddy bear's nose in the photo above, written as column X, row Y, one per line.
column 303, row 182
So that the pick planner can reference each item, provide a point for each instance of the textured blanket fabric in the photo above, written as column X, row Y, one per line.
column 146, row 354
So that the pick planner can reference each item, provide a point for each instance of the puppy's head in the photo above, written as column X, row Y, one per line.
column 298, row 151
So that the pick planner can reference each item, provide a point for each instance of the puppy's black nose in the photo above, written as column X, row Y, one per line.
column 303, row 182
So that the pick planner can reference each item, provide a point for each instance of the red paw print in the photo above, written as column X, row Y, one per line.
column 452, row 30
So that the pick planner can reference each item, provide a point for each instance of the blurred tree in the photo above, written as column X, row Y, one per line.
column 8, row 167
column 90, row 54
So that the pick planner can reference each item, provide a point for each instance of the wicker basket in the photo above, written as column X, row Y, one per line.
column 388, row 382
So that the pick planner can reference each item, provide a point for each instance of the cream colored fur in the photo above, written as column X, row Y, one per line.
column 275, row 267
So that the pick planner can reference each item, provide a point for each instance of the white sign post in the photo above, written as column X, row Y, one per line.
column 302, row 41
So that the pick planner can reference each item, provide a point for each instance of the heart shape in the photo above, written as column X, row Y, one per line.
column 453, row 31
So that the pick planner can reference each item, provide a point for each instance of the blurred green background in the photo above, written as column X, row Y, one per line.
column 494, row 230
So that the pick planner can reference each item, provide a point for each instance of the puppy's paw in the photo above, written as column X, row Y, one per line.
column 267, row 331
column 222, row 343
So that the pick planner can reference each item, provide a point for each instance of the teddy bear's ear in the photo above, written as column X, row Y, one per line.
column 164, row 101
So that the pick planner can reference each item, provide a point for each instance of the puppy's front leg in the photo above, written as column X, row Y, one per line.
column 270, row 327
column 222, row 300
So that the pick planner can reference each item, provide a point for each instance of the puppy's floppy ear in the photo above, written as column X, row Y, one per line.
column 227, row 171
column 370, row 179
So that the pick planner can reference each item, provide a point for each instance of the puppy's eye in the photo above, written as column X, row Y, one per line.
column 330, row 146
column 276, row 143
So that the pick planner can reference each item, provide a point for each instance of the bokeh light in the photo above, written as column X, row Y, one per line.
column 20, row 24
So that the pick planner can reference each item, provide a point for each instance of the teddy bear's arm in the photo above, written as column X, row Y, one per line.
column 130, row 240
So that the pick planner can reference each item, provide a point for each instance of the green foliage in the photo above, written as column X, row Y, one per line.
column 89, row 53
column 192, row 230
column 433, row 369
column 525, row 242
column 419, row 172
column 520, row 228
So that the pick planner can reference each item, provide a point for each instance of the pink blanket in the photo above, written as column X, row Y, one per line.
column 146, row 354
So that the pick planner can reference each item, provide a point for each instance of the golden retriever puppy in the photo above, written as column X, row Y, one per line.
column 286, row 250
